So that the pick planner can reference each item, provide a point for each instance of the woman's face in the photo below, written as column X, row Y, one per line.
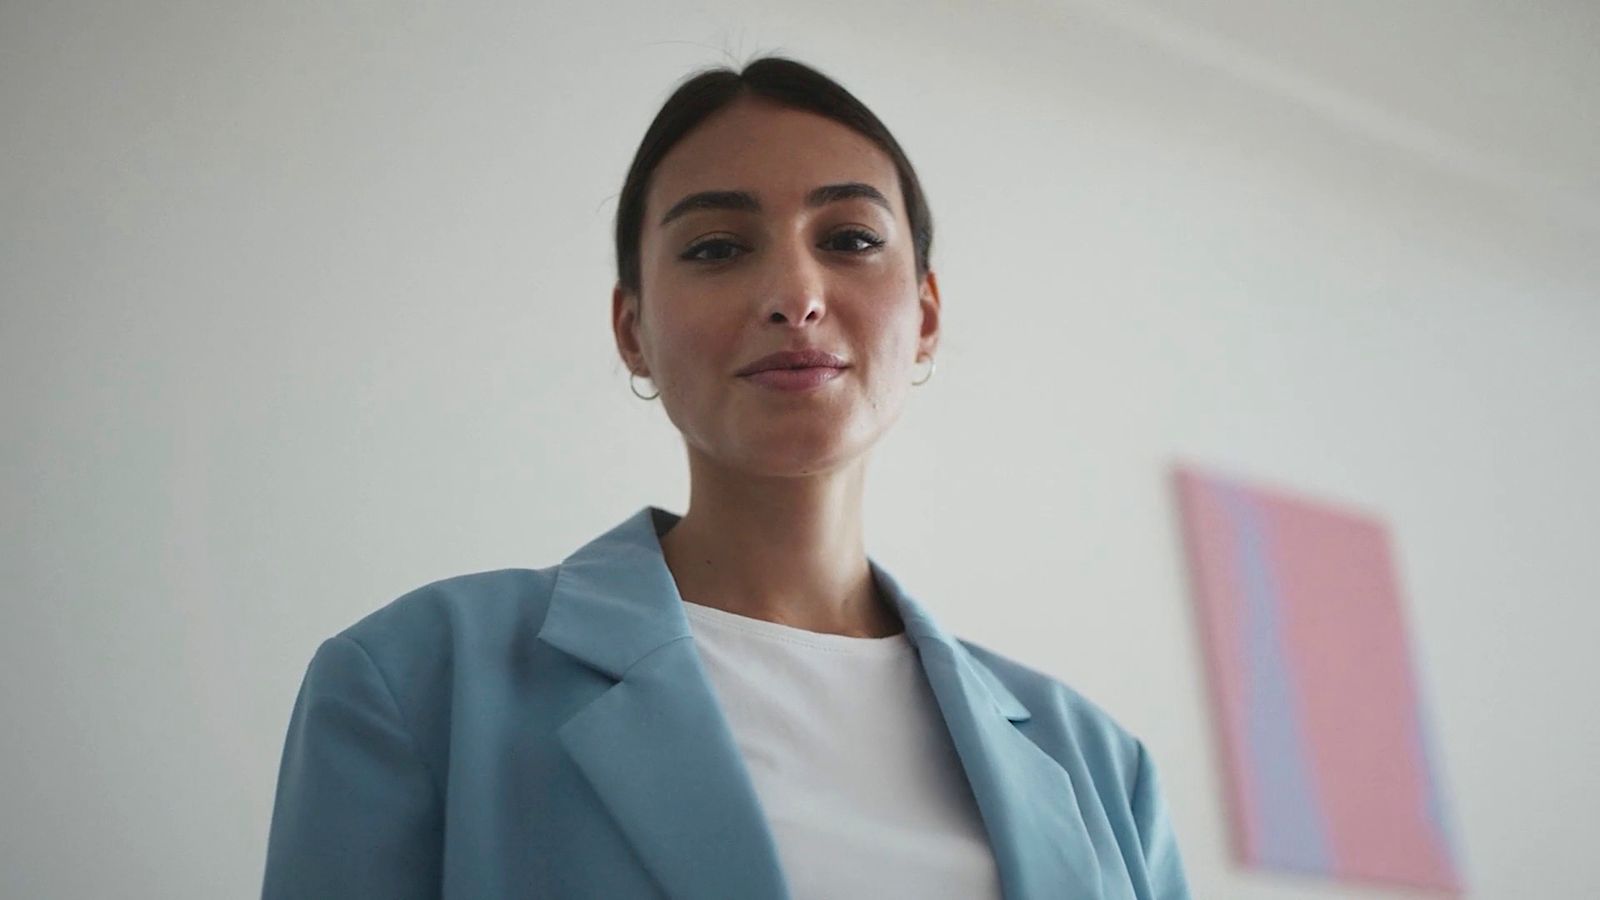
column 767, row 262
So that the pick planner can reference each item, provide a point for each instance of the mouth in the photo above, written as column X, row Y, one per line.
column 801, row 379
column 809, row 357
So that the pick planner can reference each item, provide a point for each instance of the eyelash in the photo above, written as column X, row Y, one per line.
column 872, row 242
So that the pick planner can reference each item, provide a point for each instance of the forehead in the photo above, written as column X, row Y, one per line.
column 777, row 152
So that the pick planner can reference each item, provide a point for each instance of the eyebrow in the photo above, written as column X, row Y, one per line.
column 744, row 201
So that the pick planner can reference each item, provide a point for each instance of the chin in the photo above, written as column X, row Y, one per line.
column 778, row 457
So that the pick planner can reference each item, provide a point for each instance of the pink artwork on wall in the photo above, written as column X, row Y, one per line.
column 1322, row 731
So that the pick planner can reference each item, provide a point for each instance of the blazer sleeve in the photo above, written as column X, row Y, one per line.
column 357, row 813
column 1163, row 863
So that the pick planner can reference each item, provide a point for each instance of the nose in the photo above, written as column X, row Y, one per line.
column 795, row 288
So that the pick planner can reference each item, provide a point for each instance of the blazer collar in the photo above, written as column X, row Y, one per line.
column 663, row 759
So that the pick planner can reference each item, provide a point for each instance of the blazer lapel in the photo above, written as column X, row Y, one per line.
column 655, row 746
column 1028, row 801
column 661, row 756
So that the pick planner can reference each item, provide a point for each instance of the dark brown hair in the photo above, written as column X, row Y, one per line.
column 782, row 81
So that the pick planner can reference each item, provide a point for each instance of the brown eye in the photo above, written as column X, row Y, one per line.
column 713, row 250
column 853, row 240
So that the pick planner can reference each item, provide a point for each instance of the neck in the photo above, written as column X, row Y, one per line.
column 786, row 550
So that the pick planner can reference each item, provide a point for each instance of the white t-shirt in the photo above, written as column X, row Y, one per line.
column 851, row 760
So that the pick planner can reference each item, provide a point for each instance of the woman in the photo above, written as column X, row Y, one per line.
column 736, row 702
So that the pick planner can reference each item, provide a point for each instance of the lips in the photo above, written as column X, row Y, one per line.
column 789, row 380
column 807, row 358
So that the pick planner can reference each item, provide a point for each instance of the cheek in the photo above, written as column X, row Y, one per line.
column 897, row 310
column 692, row 342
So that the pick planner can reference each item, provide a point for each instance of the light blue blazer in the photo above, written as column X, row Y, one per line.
column 551, row 733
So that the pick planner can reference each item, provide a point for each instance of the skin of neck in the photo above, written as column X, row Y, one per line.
column 789, row 549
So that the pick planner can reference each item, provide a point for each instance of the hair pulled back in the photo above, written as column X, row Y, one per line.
column 783, row 81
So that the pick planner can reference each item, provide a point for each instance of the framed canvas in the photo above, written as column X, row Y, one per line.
column 1321, row 728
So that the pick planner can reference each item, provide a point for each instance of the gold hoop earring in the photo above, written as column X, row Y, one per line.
column 930, row 372
column 635, row 389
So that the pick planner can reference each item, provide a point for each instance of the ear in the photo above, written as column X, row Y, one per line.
column 928, row 300
column 625, row 328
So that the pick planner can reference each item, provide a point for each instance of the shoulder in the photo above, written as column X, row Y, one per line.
column 1064, row 722
column 427, row 638
column 455, row 608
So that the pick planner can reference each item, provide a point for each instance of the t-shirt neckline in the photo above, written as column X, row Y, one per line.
column 891, row 645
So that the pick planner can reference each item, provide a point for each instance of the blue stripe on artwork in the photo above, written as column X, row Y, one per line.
column 1292, row 832
column 1433, row 796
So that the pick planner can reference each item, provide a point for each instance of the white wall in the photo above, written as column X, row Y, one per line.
column 306, row 304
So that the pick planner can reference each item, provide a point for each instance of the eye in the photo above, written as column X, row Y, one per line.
column 853, row 240
column 717, row 249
